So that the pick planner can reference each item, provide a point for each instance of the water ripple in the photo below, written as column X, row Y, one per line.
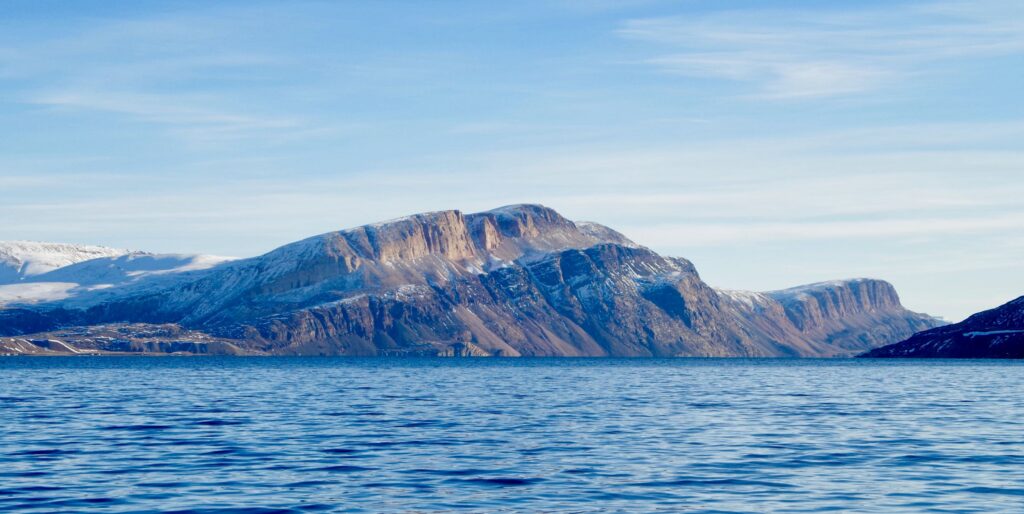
column 211, row 435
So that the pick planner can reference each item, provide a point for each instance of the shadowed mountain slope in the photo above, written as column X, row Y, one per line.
column 993, row 334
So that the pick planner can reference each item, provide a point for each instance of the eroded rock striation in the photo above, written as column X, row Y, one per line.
column 518, row 280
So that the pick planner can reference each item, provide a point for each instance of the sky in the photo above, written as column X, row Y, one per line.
column 771, row 142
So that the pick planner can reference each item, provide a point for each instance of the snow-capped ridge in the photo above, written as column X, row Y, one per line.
column 604, row 233
column 22, row 259
column 103, row 275
column 129, row 267
column 824, row 285
column 750, row 299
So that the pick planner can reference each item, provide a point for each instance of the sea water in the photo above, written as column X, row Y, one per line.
column 211, row 434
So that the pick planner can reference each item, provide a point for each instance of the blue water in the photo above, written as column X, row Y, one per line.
column 491, row 435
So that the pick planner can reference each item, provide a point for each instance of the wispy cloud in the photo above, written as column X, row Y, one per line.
column 168, row 71
column 788, row 54
column 164, row 109
column 702, row 234
column 235, row 126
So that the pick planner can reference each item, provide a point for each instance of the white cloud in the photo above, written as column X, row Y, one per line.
column 164, row 70
column 782, row 77
column 794, row 54
column 714, row 234
column 718, row 194
column 168, row 109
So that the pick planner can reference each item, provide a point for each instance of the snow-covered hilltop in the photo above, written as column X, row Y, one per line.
column 21, row 259
column 517, row 280
column 35, row 272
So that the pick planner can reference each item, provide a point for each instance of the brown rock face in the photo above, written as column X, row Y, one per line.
column 519, row 280
column 817, row 305
column 438, row 233
column 851, row 314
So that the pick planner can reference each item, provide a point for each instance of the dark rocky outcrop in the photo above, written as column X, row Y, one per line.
column 120, row 339
column 519, row 280
column 993, row 334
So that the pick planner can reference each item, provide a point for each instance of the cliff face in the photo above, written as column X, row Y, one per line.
column 851, row 314
column 519, row 280
column 995, row 334
column 837, row 318
column 818, row 305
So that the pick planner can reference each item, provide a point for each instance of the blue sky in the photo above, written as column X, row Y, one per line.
column 771, row 142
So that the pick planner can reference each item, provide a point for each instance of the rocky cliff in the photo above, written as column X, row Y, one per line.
column 996, row 334
column 519, row 280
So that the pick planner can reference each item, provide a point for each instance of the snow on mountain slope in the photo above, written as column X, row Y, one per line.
column 750, row 299
column 22, row 259
column 119, row 270
column 35, row 292
column 57, row 272
column 603, row 233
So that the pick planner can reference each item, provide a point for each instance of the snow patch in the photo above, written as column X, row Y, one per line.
column 750, row 299
column 35, row 292
column 21, row 259
column 993, row 333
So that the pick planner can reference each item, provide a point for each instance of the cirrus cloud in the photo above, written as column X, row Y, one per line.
column 784, row 54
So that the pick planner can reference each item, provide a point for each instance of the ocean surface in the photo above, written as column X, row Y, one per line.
column 208, row 434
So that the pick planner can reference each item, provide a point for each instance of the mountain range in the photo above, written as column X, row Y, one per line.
column 519, row 280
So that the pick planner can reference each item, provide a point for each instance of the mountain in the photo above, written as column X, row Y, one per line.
column 50, row 272
column 997, row 333
column 23, row 259
column 518, row 280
